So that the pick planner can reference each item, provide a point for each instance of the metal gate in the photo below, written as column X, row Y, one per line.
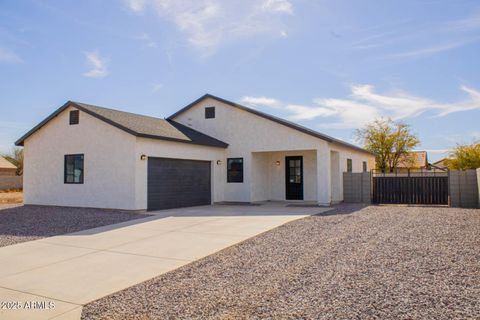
column 410, row 187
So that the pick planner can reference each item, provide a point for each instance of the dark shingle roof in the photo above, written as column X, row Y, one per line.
column 275, row 119
column 137, row 125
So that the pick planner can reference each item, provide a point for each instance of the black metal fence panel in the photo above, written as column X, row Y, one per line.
column 410, row 189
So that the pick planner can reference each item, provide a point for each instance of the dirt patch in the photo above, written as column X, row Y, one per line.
column 11, row 197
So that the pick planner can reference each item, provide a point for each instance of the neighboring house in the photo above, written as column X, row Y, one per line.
column 414, row 160
column 213, row 150
column 440, row 164
column 7, row 168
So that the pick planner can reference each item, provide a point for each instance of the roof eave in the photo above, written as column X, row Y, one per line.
column 20, row 142
column 147, row 136
column 345, row 144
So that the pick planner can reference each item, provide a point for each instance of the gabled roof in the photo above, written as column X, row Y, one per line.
column 272, row 118
column 5, row 164
column 440, row 162
column 414, row 159
column 137, row 125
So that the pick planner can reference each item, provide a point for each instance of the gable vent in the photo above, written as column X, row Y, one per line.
column 74, row 116
column 209, row 112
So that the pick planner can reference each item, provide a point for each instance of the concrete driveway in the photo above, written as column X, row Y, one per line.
column 53, row 278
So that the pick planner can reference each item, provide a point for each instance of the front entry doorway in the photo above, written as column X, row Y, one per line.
column 294, row 178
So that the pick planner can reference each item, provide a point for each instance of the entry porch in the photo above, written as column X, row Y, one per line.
column 298, row 176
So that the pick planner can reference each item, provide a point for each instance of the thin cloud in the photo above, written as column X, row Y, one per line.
column 260, row 101
column 471, row 103
column 282, row 6
column 97, row 65
column 157, row 87
column 433, row 49
column 466, row 24
column 149, row 42
column 407, row 40
column 8, row 56
column 209, row 23
column 364, row 104
column 136, row 5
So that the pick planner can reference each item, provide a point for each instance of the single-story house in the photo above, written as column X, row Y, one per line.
column 7, row 168
column 440, row 164
column 414, row 160
column 212, row 150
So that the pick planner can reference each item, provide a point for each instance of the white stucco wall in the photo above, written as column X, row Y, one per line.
column 357, row 157
column 261, row 167
column 268, row 179
column 246, row 133
column 336, row 176
column 109, row 178
column 176, row 150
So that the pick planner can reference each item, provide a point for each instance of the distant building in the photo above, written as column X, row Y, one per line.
column 440, row 164
column 414, row 160
column 7, row 168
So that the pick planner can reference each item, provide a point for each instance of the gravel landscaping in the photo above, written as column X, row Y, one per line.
column 350, row 263
column 26, row 223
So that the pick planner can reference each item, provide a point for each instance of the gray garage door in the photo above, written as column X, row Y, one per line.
column 175, row 183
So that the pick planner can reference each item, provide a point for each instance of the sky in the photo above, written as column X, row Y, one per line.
column 332, row 66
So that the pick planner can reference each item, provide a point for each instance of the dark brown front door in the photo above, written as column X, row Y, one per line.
column 294, row 178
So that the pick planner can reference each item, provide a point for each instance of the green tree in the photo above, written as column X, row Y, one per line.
column 16, row 158
column 464, row 157
column 389, row 140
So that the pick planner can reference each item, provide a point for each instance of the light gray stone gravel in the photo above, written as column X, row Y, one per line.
column 352, row 263
column 27, row 223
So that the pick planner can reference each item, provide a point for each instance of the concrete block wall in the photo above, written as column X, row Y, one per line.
column 11, row 182
column 464, row 189
column 357, row 187
column 478, row 186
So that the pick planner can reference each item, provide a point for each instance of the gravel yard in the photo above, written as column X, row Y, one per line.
column 26, row 223
column 350, row 263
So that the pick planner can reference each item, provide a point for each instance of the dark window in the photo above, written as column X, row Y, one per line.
column 235, row 170
column 209, row 112
column 349, row 165
column 74, row 116
column 365, row 169
column 295, row 171
column 73, row 172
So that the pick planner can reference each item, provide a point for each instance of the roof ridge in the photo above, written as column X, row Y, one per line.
column 279, row 120
column 116, row 110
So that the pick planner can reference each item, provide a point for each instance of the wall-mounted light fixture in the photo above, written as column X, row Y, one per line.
column 143, row 157
column 219, row 162
column 277, row 163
